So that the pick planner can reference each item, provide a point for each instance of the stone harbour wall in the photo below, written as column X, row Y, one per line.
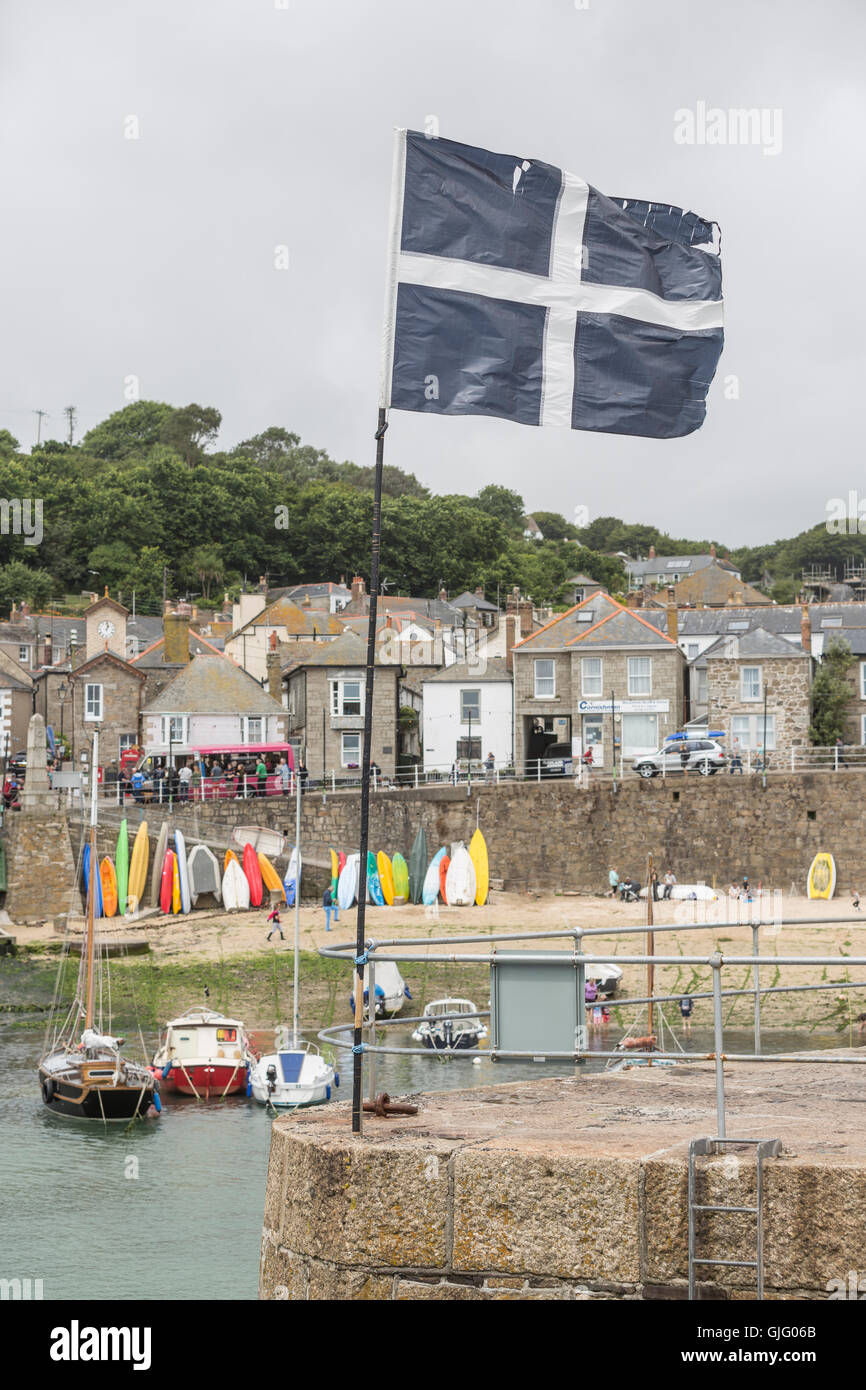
column 40, row 868
column 554, row 837
column 564, row 1190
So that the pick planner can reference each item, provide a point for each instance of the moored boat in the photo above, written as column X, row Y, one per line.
column 291, row 1077
column 203, row 1054
column 450, row 1025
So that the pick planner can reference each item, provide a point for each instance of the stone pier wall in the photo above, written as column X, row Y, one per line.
column 567, row 1190
column 40, row 868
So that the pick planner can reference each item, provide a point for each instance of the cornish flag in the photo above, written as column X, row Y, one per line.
column 515, row 289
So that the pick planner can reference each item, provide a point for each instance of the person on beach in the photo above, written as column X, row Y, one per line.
column 654, row 885
column 330, row 904
column 670, row 881
column 590, row 995
column 613, row 883
column 274, row 916
column 686, row 1014
column 855, row 903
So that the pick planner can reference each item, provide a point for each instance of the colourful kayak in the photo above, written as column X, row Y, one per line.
column 270, row 877
column 138, row 868
column 254, row 875
column 374, row 887
column 444, row 866
column 97, row 900
column 176, row 899
column 335, row 872
column 430, row 890
column 478, row 855
column 109, row 887
column 166, row 881
column 121, row 864
column 386, row 877
column 400, row 870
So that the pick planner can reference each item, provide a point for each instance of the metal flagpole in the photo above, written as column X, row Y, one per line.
column 295, row 1015
column 365, row 778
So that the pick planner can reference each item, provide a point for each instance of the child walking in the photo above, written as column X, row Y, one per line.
column 274, row 917
column 330, row 904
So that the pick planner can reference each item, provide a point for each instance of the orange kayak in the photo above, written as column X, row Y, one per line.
column 109, row 887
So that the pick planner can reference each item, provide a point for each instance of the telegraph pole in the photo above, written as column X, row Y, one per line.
column 39, row 414
column 69, row 412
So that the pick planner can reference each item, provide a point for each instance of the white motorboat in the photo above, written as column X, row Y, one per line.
column 450, row 1025
column 292, row 1076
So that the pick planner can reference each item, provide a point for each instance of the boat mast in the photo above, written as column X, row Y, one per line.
column 297, row 905
column 91, row 887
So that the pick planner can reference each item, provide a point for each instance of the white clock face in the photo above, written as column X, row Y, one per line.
column 106, row 629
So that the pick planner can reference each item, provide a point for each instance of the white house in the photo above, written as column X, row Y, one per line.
column 211, row 702
column 468, row 712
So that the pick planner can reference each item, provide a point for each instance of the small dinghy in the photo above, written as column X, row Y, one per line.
column 391, row 989
column 607, row 978
column 292, row 1076
column 450, row 1025
column 204, row 873
column 460, row 884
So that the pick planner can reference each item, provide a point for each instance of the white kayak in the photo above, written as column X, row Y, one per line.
column 430, row 889
column 182, row 871
column 347, row 887
column 236, row 889
column 460, row 883
column 291, row 879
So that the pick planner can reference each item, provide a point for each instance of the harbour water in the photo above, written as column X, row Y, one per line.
column 172, row 1208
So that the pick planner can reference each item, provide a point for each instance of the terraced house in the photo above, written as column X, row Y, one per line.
column 569, row 673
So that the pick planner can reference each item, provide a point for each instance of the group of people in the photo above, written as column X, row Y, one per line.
column 628, row 889
column 257, row 776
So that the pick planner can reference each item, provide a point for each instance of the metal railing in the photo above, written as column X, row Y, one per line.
column 384, row 951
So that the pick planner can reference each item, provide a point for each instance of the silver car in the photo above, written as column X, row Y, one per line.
column 703, row 755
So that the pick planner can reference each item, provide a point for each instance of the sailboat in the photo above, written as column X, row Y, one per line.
column 85, row 1076
column 295, row 1074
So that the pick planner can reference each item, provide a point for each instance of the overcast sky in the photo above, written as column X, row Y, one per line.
column 260, row 126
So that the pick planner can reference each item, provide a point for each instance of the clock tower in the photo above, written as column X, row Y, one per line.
column 105, row 627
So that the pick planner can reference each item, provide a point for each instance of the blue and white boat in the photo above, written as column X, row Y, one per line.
column 291, row 1077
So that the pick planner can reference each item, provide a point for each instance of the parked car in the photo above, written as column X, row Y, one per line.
column 17, row 765
column 703, row 755
column 556, row 760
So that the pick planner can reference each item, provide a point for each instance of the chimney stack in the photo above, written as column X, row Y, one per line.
column 175, row 627
column 47, row 654
column 479, row 591
column 443, row 594
column 275, row 678
column 712, row 550
column 806, row 629
column 510, row 639
column 524, row 611
column 652, row 552
column 673, row 616
column 359, row 588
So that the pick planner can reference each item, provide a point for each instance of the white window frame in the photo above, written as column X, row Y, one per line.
column 23, row 654
column 749, row 697
column 863, row 728
column 92, row 708
column 248, row 719
column 338, row 697
column 464, row 718
column 125, row 741
column 636, row 677
column 540, row 679
column 693, row 651
column 165, row 723
column 753, row 736
column 354, row 760
column 591, row 685
column 863, row 680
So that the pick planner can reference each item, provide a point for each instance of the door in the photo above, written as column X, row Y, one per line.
column 593, row 737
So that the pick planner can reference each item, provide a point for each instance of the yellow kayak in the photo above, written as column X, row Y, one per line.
column 270, row 877
column 386, row 877
column 138, row 868
column 478, row 855
column 175, row 885
column 821, row 882
column 230, row 855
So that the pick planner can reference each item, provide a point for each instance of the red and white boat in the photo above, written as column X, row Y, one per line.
column 204, row 1054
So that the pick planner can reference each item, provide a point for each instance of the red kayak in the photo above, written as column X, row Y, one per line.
column 444, row 865
column 167, row 881
column 254, row 876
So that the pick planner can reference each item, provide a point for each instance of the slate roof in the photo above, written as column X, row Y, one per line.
column 717, row 585
column 756, row 643
column 152, row 656
column 348, row 650
column 467, row 600
column 673, row 564
column 211, row 684
column 782, row 619
column 462, row 672
column 597, row 622
column 296, row 620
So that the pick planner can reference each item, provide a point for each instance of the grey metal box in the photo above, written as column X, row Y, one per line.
column 537, row 1006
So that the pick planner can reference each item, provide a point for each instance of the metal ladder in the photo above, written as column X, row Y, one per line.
column 764, row 1148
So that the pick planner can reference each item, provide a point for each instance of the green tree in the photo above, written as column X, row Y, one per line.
column 145, row 577
column 189, row 430
column 20, row 582
column 8, row 444
column 831, row 694
column 503, row 504
column 128, row 433
column 554, row 527
column 208, row 567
